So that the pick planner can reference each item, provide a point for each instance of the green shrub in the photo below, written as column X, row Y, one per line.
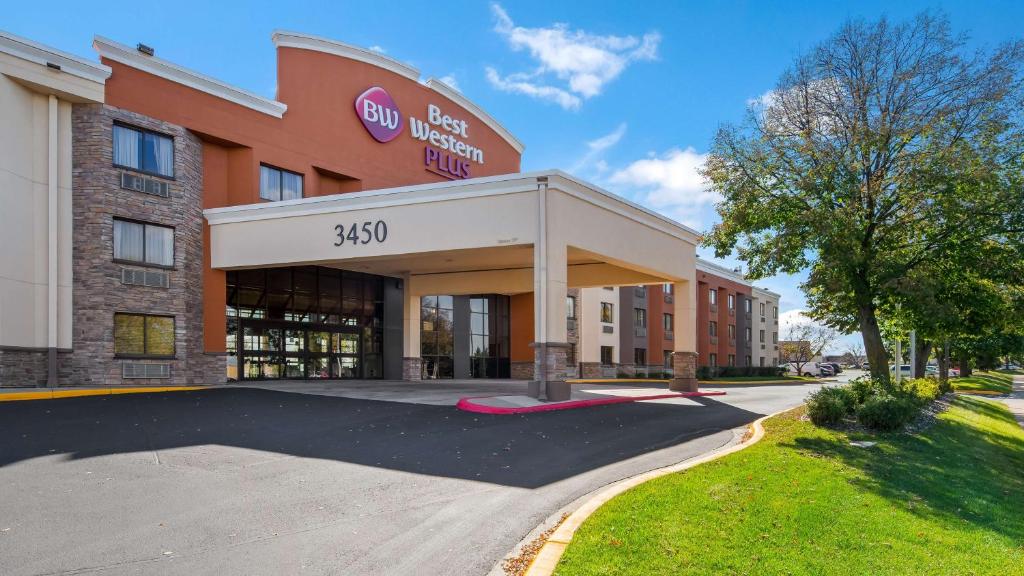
column 921, row 390
column 863, row 388
column 829, row 405
column 885, row 412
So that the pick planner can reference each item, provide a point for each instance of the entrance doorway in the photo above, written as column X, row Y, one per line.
column 270, row 349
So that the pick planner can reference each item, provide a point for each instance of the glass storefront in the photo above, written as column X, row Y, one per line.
column 304, row 322
column 464, row 336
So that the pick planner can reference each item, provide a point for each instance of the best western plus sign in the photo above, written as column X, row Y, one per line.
column 444, row 154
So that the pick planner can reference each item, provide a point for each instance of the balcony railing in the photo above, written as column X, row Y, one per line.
column 570, row 323
column 669, row 335
column 669, row 298
column 641, row 331
column 608, row 329
column 640, row 291
column 714, row 340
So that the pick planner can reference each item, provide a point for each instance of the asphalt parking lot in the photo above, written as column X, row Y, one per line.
column 248, row 481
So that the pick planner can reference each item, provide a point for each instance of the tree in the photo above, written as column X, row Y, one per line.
column 883, row 150
column 804, row 342
column 855, row 351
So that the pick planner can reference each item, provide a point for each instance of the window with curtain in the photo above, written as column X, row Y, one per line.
column 277, row 184
column 142, row 243
column 607, row 312
column 144, row 151
column 143, row 335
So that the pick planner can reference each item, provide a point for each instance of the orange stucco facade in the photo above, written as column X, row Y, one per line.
column 319, row 136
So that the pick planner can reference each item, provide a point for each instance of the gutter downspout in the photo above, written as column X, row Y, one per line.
column 52, row 248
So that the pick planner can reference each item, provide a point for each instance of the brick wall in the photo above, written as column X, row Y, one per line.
column 97, row 289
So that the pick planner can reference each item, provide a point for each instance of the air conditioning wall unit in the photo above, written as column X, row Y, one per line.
column 145, row 370
column 151, row 278
column 145, row 185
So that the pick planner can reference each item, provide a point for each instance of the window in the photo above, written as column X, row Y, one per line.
column 640, row 316
column 640, row 356
column 144, row 151
column 732, row 301
column 437, row 337
column 607, row 312
column 748, row 335
column 749, row 363
column 732, row 331
column 570, row 306
column 606, row 355
column 775, row 311
column 713, row 359
column 761, row 360
column 762, row 308
column 277, row 184
column 713, row 296
column 713, row 328
column 142, row 335
column 775, row 337
column 732, row 359
column 747, row 305
column 667, row 322
column 142, row 243
column 667, row 288
column 667, row 359
column 760, row 336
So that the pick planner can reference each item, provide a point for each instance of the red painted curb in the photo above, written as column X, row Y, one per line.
column 468, row 405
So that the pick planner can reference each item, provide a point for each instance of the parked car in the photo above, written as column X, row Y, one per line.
column 904, row 370
column 865, row 366
column 809, row 369
column 933, row 370
column 836, row 368
column 826, row 369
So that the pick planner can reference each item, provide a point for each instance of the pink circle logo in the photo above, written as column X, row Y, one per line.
column 379, row 114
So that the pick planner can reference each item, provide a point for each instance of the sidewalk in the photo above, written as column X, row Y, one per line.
column 1016, row 400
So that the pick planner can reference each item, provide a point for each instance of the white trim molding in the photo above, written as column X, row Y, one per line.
column 457, row 97
column 128, row 56
column 475, row 187
column 39, row 54
column 285, row 39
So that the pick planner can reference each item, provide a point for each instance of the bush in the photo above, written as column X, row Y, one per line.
column 886, row 412
column 712, row 372
column 829, row 405
column 863, row 388
column 921, row 390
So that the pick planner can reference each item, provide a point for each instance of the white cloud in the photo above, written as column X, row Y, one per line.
column 520, row 84
column 670, row 183
column 450, row 80
column 380, row 49
column 597, row 147
column 584, row 62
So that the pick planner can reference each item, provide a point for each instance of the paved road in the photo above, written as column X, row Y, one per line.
column 246, row 481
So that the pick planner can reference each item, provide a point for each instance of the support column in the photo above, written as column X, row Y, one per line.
column 684, row 355
column 550, row 286
column 52, row 245
column 412, row 364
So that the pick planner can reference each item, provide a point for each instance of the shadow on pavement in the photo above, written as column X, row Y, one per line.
column 528, row 450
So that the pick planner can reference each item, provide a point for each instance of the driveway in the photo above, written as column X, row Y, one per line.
column 249, row 481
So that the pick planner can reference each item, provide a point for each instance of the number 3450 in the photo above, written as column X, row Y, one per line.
column 369, row 232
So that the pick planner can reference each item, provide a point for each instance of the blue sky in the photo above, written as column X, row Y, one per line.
column 626, row 97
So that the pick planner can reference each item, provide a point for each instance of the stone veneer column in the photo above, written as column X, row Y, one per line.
column 412, row 368
column 684, row 368
column 550, row 360
column 98, row 291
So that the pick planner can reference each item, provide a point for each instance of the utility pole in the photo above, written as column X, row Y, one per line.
column 899, row 358
column 913, row 354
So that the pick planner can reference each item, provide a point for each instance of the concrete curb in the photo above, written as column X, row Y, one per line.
column 467, row 404
column 66, row 393
column 551, row 552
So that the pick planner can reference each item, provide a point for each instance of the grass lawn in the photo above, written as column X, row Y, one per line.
column 984, row 382
column 804, row 501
